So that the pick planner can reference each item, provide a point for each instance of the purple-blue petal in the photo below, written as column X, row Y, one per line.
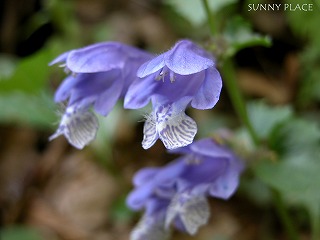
column 64, row 90
column 206, row 171
column 138, row 198
column 145, row 175
column 101, row 89
column 182, row 87
column 187, row 58
column 139, row 93
column 226, row 184
column 209, row 92
column 151, row 66
column 99, row 57
column 208, row 147
column 168, row 174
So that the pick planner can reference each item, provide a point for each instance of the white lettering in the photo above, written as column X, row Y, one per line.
column 286, row 5
column 278, row 6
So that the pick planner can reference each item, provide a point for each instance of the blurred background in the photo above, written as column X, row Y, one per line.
column 51, row 191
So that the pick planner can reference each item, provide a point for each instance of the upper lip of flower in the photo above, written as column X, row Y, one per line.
column 184, row 58
column 100, row 57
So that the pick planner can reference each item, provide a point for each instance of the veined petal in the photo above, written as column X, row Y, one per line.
column 149, row 228
column 193, row 211
column 185, row 58
column 209, row 92
column 177, row 130
column 150, row 134
column 79, row 127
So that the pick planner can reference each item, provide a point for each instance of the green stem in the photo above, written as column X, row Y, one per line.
column 283, row 215
column 238, row 103
column 230, row 82
column 315, row 221
column 236, row 97
column 211, row 22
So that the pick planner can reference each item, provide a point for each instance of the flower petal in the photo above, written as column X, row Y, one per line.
column 187, row 58
column 177, row 131
column 139, row 93
column 144, row 175
column 149, row 228
column 227, row 183
column 151, row 66
column 208, row 147
column 193, row 211
column 102, row 89
column 139, row 197
column 168, row 175
column 99, row 57
column 79, row 127
column 150, row 134
column 209, row 92
column 106, row 101
column 64, row 90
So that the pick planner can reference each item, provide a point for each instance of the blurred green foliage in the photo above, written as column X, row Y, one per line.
column 18, row 233
column 31, row 74
column 193, row 10
column 306, row 26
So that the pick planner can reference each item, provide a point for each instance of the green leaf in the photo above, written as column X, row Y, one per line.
column 31, row 74
column 298, row 140
column 296, row 174
column 264, row 118
column 299, row 184
column 19, row 233
column 193, row 10
column 22, row 108
column 239, row 35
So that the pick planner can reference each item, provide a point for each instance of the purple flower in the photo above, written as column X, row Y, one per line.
column 178, row 192
column 184, row 75
column 101, row 74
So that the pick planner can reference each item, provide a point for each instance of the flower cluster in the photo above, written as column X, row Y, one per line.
column 184, row 76
column 104, row 72
column 177, row 193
